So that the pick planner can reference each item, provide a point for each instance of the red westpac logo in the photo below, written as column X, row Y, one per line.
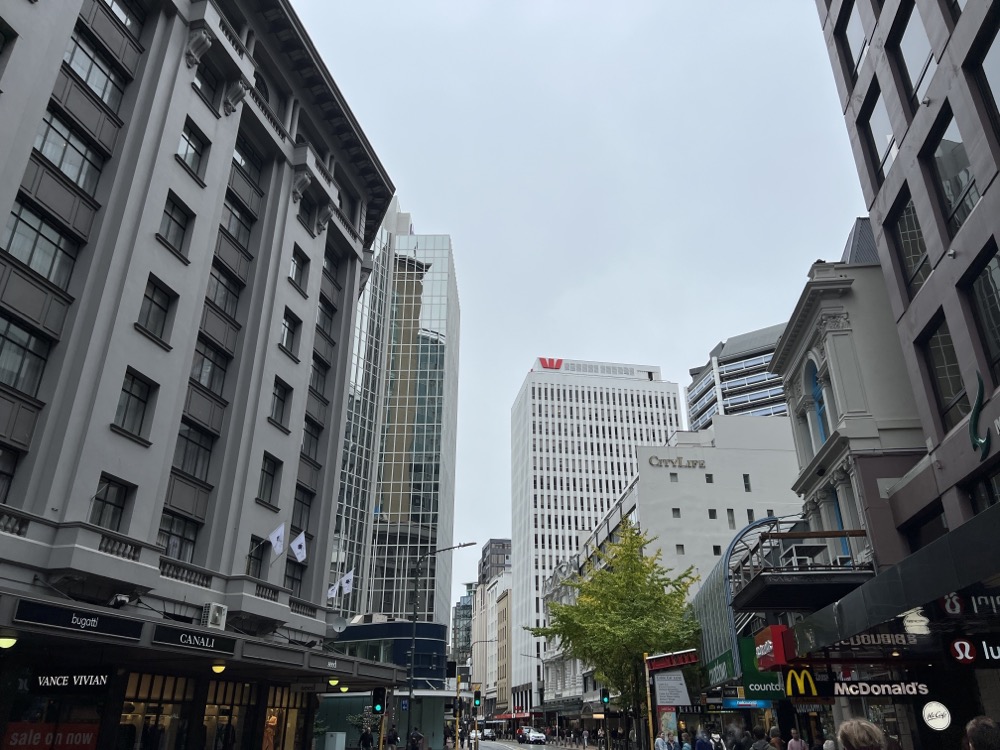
column 550, row 364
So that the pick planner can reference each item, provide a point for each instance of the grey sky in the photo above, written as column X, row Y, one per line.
column 630, row 181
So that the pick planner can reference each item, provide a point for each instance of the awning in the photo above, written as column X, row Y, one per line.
column 957, row 560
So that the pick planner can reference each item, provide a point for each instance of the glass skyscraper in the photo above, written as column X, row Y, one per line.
column 397, row 497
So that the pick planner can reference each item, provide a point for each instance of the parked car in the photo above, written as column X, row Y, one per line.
column 535, row 737
column 474, row 734
column 489, row 734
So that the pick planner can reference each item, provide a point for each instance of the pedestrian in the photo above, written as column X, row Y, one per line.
column 982, row 733
column 586, row 737
column 367, row 740
column 702, row 743
column 858, row 734
column 829, row 745
column 759, row 741
column 776, row 742
column 796, row 743
column 392, row 738
column 671, row 742
column 661, row 742
column 716, row 741
column 415, row 739
column 685, row 741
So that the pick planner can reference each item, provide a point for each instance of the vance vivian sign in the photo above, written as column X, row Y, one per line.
column 195, row 639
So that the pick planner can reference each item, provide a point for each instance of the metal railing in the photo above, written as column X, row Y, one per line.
column 786, row 547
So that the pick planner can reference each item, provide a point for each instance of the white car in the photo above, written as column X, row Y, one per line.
column 474, row 734
column 536, row 738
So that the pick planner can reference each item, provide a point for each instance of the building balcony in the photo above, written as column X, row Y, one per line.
column 799, row 571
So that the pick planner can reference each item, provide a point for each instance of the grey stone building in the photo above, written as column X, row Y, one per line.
column 191, row 207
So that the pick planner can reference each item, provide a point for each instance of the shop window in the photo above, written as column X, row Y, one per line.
column 156, row 712
column 285, row 725
column 227, row 709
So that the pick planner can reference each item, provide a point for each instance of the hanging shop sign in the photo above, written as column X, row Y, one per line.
column 671, row 689
column 195, row 639
column 769, row 647
column 77, row 620
column 758, row 685
column 745, row 703
column 70, row 682
column 936, row 716
column 720, row 669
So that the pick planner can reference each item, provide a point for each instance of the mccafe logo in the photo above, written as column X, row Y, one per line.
column 677, row 463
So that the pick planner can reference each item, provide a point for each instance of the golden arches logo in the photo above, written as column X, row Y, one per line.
column 800, row 677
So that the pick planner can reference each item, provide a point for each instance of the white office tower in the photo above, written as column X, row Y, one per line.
column 574, row 430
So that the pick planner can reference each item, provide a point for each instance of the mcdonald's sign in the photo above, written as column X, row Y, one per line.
column 800, row 683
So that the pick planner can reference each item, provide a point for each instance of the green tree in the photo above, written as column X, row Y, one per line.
column 627, row 604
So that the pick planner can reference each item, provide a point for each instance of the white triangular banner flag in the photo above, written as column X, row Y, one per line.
column 299, row 547
column 277, row 539
column 332, row 591
column 348, row 582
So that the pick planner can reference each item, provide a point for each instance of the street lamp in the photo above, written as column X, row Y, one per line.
column 541, row 687
column 413, row 635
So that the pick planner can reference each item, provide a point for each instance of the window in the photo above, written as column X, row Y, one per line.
column 22, row 357
column 911, row 248
column 946, row 377
column 289, row 332
column 317, row 377
column 95, row 70
column 261, row 86
column 174, row 224
column 746, row 483
column 268, row 485
column 206, row 83
column 299, row 272
column 916, row 57
column 70, row 154
column 255, row 557
column 310, row 439
column 191, row 149
column 307, row 210
column 301, row 509
column 132, row 403
column 154, row 310
column 247, row 158
column 294, row 573
column 680, row 549
column 986, row 303
column 712, row 514
column 280, row 396
column 39, row 245
column 8, row 462
column 717, row 550
column 223, row 291
column 673, row 476
column 237, row 223
column 881, row 142
column 956, row 184
column 324, row 317
column 731, row 518
column 177, row 536
column 709, row 479
column 108, row 505
column 209, row 366
column 676, row 512
column 770, row 512
column 854, row 40
column 330, row 264
column 985, row 493
column 193, row 451
column 128, row 13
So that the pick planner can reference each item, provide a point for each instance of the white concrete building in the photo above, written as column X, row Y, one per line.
column 575, row 427
column 691, row 497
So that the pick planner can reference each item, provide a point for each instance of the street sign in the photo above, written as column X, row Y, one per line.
column 404, row 704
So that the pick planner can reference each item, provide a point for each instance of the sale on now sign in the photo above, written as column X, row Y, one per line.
column 30, row 734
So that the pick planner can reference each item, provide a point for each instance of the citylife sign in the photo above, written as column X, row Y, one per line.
column 677, row 463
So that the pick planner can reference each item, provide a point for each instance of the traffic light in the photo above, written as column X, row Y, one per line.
column 477, row 698
column 605, row 696
column 456, row 710
column 378, row 700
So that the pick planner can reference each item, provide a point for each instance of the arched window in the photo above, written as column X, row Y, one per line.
column 261, row 86
column 819, row 402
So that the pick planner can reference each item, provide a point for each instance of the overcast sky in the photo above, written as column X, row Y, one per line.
column 629, row 182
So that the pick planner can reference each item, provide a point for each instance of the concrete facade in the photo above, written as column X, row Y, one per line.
column 191, row 204
column 575, row 426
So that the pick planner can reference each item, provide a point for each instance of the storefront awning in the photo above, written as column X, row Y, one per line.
column 959, row 559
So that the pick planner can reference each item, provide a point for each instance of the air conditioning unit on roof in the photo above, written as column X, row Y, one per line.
column 213, row 615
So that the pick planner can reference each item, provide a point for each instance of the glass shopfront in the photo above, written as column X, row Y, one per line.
column 156, row 713
column 227, row 711
column 284, row 726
